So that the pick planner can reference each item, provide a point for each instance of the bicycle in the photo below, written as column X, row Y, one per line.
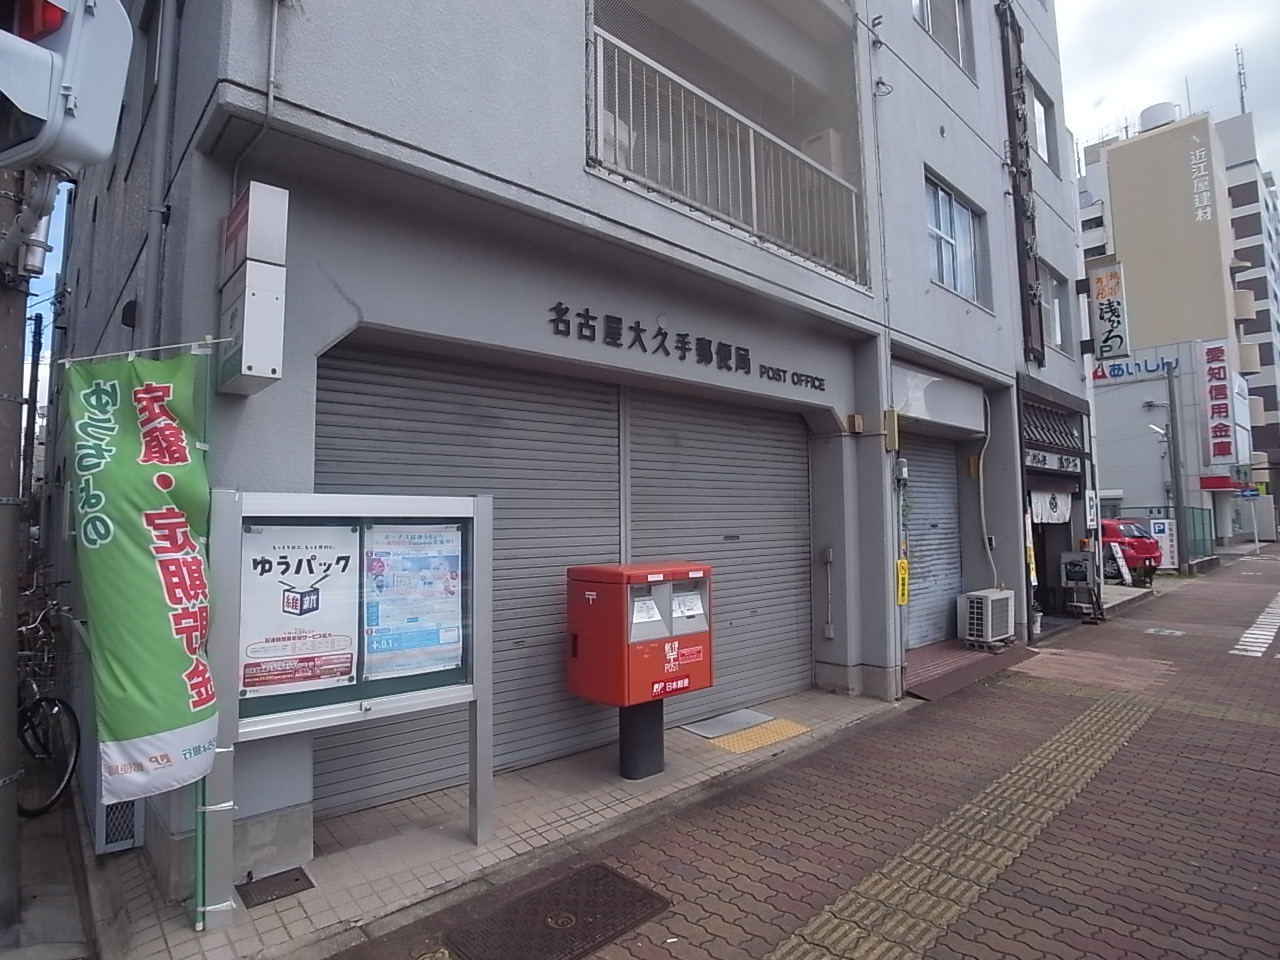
column 47, row 725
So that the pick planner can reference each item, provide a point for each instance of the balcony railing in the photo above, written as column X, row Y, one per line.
column 657, row 130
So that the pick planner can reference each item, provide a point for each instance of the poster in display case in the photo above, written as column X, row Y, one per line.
column 346, row 616
column 412, row 600
column 299, row 629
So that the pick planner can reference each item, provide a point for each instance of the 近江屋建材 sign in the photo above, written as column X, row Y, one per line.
column 140, row 501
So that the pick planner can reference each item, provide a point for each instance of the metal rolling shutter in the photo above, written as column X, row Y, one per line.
column 933, row 538
column 547, row 449
column 730, row 486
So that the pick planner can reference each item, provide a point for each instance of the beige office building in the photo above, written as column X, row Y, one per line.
column 1157, row 207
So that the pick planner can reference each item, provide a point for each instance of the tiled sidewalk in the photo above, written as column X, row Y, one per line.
column 1112, row 798
column 375, row 862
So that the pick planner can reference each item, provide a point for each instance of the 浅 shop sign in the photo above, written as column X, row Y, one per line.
column 638, row 341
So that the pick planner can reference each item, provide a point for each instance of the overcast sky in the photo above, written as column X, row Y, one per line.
column 1120, row 56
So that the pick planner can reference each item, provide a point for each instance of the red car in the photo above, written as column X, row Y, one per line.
column 1141, row 551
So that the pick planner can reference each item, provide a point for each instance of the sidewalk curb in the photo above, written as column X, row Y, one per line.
column 101, row 910
column 1125, row 604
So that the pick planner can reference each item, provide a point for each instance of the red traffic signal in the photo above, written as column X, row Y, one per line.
column 33, row 20
column 63, row 65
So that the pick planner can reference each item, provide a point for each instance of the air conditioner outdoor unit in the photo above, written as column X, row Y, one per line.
column 615, row 139
column 825, row 150
column 985, row 616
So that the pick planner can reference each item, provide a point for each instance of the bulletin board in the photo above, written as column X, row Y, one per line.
column 336, row 609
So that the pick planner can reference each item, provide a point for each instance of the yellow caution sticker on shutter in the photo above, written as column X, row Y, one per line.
column 904, row 580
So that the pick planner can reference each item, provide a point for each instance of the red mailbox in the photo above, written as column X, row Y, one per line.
column 639, row 632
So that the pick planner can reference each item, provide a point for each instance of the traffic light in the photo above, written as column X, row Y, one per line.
column 63, row 65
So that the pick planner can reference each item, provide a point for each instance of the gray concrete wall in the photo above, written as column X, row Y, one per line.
column 470, row 120
column 489, row 296
column 940, row 122
column 443, row 198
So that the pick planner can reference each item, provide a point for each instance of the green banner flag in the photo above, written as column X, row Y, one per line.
column 141, row 505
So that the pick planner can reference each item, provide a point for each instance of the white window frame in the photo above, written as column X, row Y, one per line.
column 1043, row 125
column 1057, row 308
column 953, row 229
column 923, row 10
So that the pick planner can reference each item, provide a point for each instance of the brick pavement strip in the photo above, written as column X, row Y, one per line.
column 1261, row 718
column 1026, row 818
column 902, row 909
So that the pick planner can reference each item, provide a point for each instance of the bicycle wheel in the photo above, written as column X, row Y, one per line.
column 50, row 735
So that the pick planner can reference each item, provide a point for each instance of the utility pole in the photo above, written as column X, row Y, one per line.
column 1175, row 472
column 33, row 393
column 29, row 441
column 13, row 309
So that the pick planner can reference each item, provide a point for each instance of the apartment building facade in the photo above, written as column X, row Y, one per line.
column 1157, row 215
column 1255, row 234
column 668, row 279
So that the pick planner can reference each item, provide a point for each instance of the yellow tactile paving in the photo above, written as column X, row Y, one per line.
column 761, row 735
column 900, row 911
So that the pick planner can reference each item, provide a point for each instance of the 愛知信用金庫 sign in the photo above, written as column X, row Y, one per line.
column 140, row 500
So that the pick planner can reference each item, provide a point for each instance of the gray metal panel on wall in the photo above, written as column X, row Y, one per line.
column 933, row 538
column 730, row 486
column 546, row 449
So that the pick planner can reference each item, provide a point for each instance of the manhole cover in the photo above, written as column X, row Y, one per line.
column 564, row 921
column 257, row 892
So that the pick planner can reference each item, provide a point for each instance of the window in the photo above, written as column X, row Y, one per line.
column 1244, row 194
column 1092, row 223
column 1258, row 285
column 1259, row 324
column 1099, row 251
column 1042, row 130
column 947, row 22
column 1255, row 256
column 1135, row 532
column 953, row 234
column 1250, row 225
column 1057, row 310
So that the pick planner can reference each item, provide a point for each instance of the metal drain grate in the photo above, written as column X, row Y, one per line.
column 257, row 892
column 564, row 921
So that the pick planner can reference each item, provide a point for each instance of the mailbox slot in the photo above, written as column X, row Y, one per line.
column 690, row 607
column 650, row 611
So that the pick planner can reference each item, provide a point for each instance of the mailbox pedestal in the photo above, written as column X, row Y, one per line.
column 641, row 744
column 639, row 633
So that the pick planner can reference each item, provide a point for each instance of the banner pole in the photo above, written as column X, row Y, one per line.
column 199, row 856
